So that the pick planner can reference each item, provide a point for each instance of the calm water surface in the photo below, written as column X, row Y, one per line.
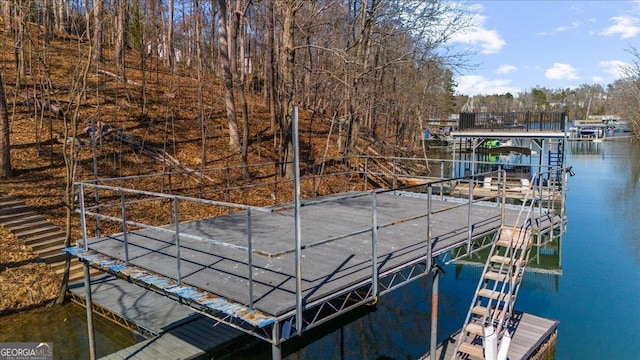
column 593, row 288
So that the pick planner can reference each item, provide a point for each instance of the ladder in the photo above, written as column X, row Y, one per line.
column 491, row 310
column 493, row 302
column 556, row 157
column 556, row 161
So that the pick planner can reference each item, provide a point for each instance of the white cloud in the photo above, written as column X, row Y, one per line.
column 597, row 79
column 561, row 71
column 614, row 68
column 478, row 85
column 489, row 41
column 573, row 25
column 626, row 26
column 505, row 69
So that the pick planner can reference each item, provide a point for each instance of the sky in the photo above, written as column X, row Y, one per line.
column 520, row 45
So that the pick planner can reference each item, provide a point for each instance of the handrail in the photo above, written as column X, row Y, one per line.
column 509, row 287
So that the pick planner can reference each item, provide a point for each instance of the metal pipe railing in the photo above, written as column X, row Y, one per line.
column 374, row 242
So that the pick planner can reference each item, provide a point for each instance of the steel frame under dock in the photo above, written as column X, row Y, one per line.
column 239, row 268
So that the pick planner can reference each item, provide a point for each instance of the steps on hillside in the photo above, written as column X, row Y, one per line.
column 38, row 234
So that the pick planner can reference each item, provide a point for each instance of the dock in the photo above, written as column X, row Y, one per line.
column 275, row 272
column 531, row 338
column 172, row 330
column 208, row 267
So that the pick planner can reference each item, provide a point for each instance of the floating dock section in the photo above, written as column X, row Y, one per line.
column 533, row 338
column 172, row 330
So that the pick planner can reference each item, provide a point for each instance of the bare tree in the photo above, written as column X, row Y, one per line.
column 70, row 149
column 122, row 19
column 271, row 66
column 171, row 58
column 200, row 70
column 632, row 73
column 288, row 10
column 225, row 62
column 98, row 14
column 5, row 148
column 239, row 37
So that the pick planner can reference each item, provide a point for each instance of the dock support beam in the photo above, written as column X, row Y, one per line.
column 276, row 345
column 434, row 310
column 89, row 306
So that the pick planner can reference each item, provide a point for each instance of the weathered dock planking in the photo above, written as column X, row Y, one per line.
column 175, row 331
column 336, row 255
column 531, row 336
column 191, row 340
column 149, row 313
column 336, row 245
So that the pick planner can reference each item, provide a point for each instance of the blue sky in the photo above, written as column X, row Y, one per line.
column 520, row 45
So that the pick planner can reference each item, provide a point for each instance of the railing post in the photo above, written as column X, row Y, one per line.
column 374, row 243
column 275, row 183
column 89, row 307
column 83, row 221
column 393, row 175
column 298, row 234
column 276, row 349
column 366, row 172
column 176, row 218
column 124, row 228
column 469, row 229
column 441, row 178
column 434, row 314
column 429, row 213
column 250, row 258
column 504, row 196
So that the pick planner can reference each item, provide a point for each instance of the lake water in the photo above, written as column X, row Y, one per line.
column 593, row 288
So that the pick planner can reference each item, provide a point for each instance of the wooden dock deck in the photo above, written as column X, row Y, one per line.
column 532, row 336
column 336, row 258
column 174, row 331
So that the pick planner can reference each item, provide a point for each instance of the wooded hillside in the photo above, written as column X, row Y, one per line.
column 212, row 87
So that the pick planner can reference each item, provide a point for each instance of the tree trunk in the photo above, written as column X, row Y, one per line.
column 97, row 30
column 271, row 67
column 287, row 60
column 71, row 163
column 199, row 68
column 87, row 19
column 5, row 154
column 122, row 17
column 242, row 70
column 6, row 13
column 47, row 21
column 171, row 58
column 229, row 101
column 59, row 18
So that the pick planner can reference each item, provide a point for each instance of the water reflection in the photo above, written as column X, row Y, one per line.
column 543, row 271
column 587, row 149
column 66, row 327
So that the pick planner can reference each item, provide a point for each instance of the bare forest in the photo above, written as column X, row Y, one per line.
column 102, row 89
column 105, row 89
